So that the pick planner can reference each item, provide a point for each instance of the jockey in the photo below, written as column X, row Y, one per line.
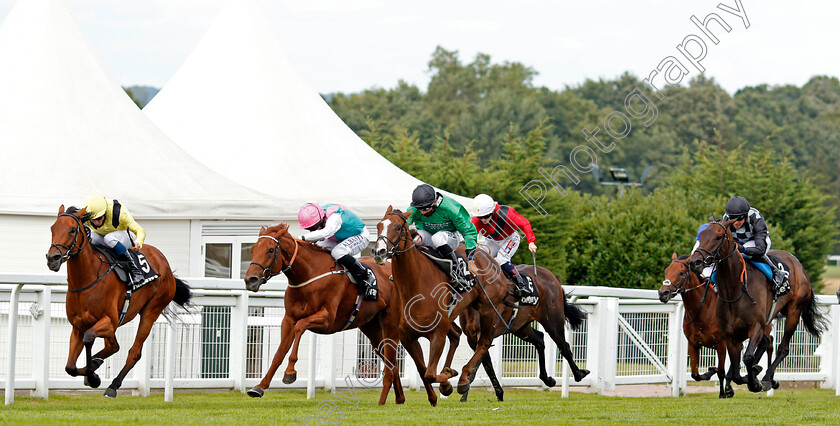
column 498, row 224
column 750, row 233
column 439, row 219
column 113, row 226
column 345, row 235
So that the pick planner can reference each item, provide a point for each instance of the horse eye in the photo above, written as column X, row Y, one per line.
column 73, row 231
column 682, row 274
column 398, row 227
column 271, row 250
column 718, row 237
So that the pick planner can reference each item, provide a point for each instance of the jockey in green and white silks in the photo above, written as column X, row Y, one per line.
column 336, row 228
column 439, row 221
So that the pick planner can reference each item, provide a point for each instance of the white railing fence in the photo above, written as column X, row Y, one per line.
column 228, row 337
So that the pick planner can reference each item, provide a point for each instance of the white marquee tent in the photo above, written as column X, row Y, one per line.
column 67, row 129
column 238, row 105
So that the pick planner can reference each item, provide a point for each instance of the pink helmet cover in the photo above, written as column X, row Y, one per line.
column 310, row 214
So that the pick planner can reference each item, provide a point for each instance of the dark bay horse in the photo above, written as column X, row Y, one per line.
column 95, row 296
column 745, row 304
column 552, row 312
column 322, row 299
column 700, row 323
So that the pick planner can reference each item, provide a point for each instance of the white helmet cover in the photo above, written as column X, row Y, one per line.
column 483, row 205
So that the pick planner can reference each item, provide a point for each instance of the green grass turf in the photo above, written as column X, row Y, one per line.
column 788, row 407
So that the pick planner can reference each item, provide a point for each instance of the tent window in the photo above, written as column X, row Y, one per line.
column 217, row 260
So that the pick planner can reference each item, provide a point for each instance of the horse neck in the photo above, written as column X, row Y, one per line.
column 84, row 267
column 729, row 273
column 694, row 293
column 407, row 266
column 308, row 263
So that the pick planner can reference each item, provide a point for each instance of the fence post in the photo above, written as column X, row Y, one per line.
column 169, row 374
column 143, row 370
column 41, row 343
column 551, row 354
column 12, row 350
column 835, row 349
column 329, row 369
column 239, row 341
column 602, row 345
column 310, row 380
column 566, row 370
column 676, row 357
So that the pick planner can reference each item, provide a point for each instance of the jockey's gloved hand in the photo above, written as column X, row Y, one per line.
column 470, row 254
column 302, row 238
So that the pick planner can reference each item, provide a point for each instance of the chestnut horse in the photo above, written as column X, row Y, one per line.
column 552, row 311
column 322, row 299
column 700, row 324
column 95, row 297
column 745, row 303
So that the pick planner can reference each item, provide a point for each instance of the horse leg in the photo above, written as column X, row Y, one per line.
column 557, row 331
column 76, row 347
column 491, row 372
column 322, row 318
column 286, row 338
column 791, row 322
column 758, row 344
column 726, row 390
column 536, row 339
column 734, row 373
column 388, row 354
column 454, row 336
column 694, row 361
column 134, row 354
column 392, row 340
column 472, row 340
column 436, row 343
column 486, row 323
column 103, row 328
column 412, row 347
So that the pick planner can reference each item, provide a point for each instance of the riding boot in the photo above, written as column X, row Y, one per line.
column 135, row 274
column 520, row 288
column 459, row 273
column 778, row 276
column 364, row 281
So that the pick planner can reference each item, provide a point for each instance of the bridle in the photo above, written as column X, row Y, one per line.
column 267, row 273
column 714, row 257
column 405, row 235
column 78, row 247
column 679, row 288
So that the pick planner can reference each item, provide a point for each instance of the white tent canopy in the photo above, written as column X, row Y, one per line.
column 67, row 129
column 238, row 105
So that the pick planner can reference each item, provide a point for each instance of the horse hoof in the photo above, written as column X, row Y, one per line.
column 462, row 389
column 255, row 392
column 500, row 396
column 464, row 397
column 110, row 393
column 581, row 374
column 766, row 386
column 775, row 384
column 550, row 382
column 94, row 364
column 289, row 378
column 92, row 380
column 712, row 370
column 445, row 389
column 755, row 386
column 729, row 392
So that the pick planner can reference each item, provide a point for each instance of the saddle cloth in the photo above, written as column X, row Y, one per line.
column 446, row 266
column 532, row 296
column 121, row 270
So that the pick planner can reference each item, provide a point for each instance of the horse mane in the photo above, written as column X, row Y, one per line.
column 73, row 210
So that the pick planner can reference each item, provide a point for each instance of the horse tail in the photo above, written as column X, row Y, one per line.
column 573, row 314
column 183, row 294
column 814, row 321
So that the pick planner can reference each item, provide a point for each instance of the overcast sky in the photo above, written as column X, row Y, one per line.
column 351, row 45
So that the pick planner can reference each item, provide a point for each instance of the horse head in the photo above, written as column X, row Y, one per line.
column 677, row 276
column 715, row 244
column 268, row 256
column 394, row 237
column 69, row 236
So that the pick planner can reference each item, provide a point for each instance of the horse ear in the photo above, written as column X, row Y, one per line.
column 82, row 211
column 262, row 230
column 406, row 215
column 674, row 256
column 390, row 209
column 711, row 218
column 61, row 210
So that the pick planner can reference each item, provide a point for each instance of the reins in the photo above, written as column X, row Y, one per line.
column 712, row 258
column 681, row 289
column 79, row 247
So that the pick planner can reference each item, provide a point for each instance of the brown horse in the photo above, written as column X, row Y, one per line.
column 95, row 296
column 322, row 299
column 700, row 323
column 552, row 311
column 745, row 304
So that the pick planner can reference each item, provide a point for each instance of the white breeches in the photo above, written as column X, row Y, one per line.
column 352, row 245
column 440, row 238
column 112, row 238
column 503, row 250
